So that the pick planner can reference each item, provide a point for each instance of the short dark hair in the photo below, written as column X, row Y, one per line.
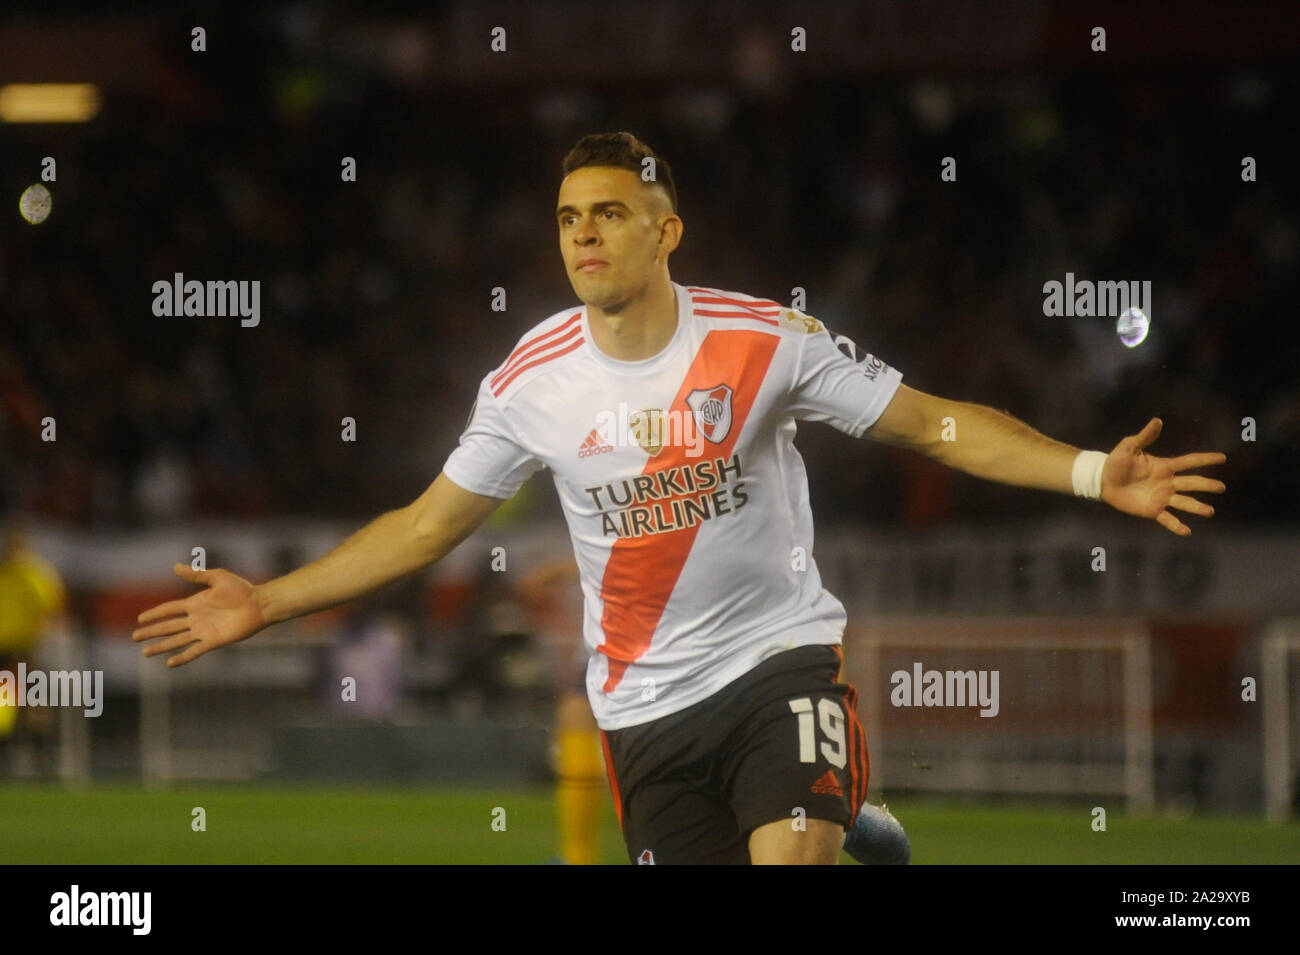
column 623, row 151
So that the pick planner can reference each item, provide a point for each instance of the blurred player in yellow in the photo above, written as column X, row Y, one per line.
column 579, row 762
column 30, row 593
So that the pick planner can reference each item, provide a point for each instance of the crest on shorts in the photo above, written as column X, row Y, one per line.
column 712, row 410
column 800, row 322
column 648, row 428
column 645, row 858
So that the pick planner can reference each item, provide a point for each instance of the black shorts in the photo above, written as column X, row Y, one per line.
column 782, row 742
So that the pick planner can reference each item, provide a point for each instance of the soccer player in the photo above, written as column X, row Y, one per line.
column 31, row 593
column 577, row 756
column 667, row 416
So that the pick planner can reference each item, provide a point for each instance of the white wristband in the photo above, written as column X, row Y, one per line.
column 1087, row 474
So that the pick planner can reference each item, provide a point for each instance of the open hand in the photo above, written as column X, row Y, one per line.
column 1141, row 484
column 226, row 612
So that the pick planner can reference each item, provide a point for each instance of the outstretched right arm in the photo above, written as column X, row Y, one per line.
column 390, row 547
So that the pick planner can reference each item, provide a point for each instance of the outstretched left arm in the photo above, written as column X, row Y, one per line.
column 997, row 447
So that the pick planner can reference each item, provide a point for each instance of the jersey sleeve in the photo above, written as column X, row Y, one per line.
column 490, row 459
column 839, row 383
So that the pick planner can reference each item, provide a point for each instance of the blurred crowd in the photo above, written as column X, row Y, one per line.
column 376, row 294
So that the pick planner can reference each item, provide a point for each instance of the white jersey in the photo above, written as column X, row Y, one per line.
column 686, row 500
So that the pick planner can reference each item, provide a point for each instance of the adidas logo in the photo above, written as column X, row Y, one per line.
column 594, row 445
column 828, row 785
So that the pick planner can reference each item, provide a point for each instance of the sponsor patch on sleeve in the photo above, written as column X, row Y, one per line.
column 800, row 322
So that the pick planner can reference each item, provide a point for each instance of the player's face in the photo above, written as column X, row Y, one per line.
column 609, row 234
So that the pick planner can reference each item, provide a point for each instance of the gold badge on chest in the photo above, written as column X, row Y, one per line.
column 648, row 427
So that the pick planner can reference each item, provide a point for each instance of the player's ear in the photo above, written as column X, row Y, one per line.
column 670, row 233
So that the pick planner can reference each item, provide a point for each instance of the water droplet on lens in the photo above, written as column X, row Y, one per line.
column 1132, row 327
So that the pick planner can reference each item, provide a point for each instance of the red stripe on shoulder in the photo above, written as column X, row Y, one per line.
column 549, row 356
column 526, row 350
column 712, row 296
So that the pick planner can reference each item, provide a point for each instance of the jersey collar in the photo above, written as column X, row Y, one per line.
column 655, row 362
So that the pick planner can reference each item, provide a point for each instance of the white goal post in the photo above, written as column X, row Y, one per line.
column 1075, row 717
column 1280, row 640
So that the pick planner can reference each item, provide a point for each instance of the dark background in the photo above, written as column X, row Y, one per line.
column 817, row 169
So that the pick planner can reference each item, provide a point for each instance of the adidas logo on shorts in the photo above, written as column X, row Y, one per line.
column 828, row 785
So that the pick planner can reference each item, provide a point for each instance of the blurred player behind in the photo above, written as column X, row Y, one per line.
column 30, row 594
column 579, row 764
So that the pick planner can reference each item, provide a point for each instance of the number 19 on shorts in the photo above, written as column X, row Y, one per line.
column 831, row 719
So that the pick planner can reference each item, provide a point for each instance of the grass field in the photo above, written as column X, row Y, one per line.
column 246, row 824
